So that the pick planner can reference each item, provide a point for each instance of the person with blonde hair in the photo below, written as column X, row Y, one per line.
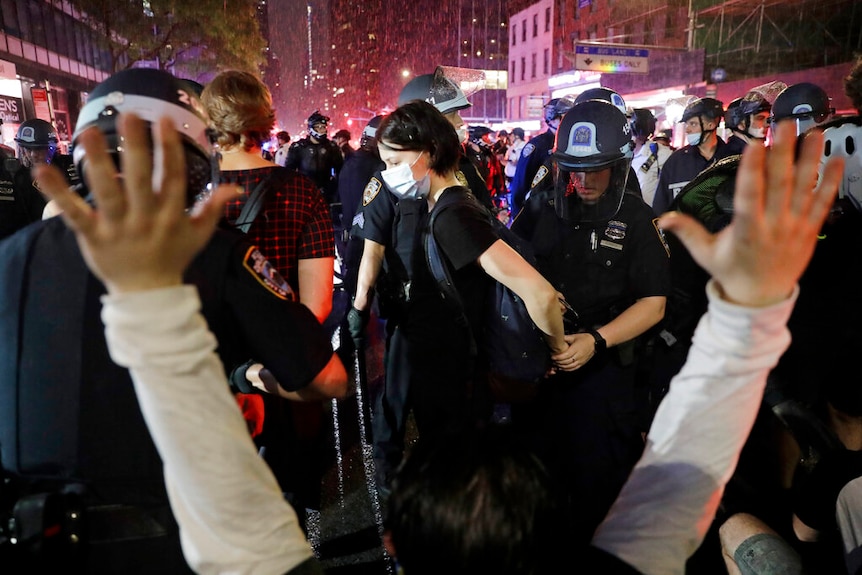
column 294, row 231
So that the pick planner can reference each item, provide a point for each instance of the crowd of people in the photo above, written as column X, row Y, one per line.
column 168, row 354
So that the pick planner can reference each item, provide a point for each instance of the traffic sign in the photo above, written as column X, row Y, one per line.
column 611, row 59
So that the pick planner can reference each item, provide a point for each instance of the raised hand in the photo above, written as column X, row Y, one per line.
column 139, row 235
column 779, row 208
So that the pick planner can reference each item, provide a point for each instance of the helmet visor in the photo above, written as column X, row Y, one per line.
column 590, row 194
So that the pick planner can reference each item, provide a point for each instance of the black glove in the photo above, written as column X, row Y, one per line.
column 356, row 324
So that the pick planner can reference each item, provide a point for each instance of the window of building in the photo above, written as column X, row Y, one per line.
column 535, row 25
column 24, row 22
column 649, row 37
column 668, row 24
column 37, row 23
column 524, row 30
column 514, row 34
column 548, row 19
column 513, row 71
column 533, row 65
column 9, row 16
column 523, row 68
column 546, row 61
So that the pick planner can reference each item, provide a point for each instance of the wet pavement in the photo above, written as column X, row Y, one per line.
column 346, row 533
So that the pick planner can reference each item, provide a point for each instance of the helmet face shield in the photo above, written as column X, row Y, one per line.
column 150, row 94
column 578, row 196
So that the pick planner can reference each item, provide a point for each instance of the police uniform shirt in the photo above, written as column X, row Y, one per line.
column 736, row 145
column 392, row 223
column 76, row 414
column 533, row 155
column 680, row 168
column 357, row 171
column 602, row 265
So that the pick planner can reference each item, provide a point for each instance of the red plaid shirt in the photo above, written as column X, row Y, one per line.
column 294, row 223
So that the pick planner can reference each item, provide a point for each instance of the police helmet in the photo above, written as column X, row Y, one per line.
column 843, row 138
column 476, row 133
column 708, row 107
column 643, row 123
column 313, row 120
column 369, row 132
column 594, row 135
column 437, row 90
column 556, row 108
column 733, row 116
column 36, row 133
column 805, row 102
column 150, row 94
column 605, row 94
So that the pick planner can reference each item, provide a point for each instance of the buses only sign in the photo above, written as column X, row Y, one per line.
column 611, row 59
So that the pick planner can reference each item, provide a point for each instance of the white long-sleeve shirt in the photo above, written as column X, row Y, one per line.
column 669, row 501
column 232, row 515
column 233, row 518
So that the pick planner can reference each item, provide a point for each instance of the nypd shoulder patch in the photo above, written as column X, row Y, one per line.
column 540, row 175
column 371, row 190
column 267, row 275
column 528, row 149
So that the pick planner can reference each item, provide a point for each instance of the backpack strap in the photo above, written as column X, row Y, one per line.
column 253, row 204
column 439, row 266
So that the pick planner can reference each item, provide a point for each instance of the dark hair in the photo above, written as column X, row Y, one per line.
column 853, row 84
column 282, row 135
column 419, row 126
column 342, row 134
column 482, row 503
column 518, row 132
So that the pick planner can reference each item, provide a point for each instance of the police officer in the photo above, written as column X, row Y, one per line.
column 748, row 120
column 359, row 167
column 701, row 118
column 536, row 152
column 543, row 183
column 317, row 157
column 71, row 431
column 481, row 153
column 37, row 144
column 600, row 248
column 388, row 225
column 807, row 104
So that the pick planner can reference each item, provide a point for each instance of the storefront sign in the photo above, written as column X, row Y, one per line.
column 11, row 109
column 40, row 103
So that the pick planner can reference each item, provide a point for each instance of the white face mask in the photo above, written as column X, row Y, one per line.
column 400, row 181
column 693, row 139
column 462, row 134
column 759, row 133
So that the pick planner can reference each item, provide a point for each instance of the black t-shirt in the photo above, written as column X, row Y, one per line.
column 602, row 268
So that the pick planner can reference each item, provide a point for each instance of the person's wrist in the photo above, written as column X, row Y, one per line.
column 751, row 298
column 598, row 341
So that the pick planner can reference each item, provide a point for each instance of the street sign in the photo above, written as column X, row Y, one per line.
column 611, row 59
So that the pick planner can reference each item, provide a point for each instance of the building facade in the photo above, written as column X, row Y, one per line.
column 49, row 59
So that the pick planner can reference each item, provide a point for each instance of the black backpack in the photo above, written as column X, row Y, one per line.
column 518, row 356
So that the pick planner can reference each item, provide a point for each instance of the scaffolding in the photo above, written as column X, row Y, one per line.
column 770, row 36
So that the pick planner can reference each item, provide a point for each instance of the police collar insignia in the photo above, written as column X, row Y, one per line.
column 267, row 275
column 371, row 190
column 616, row 230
